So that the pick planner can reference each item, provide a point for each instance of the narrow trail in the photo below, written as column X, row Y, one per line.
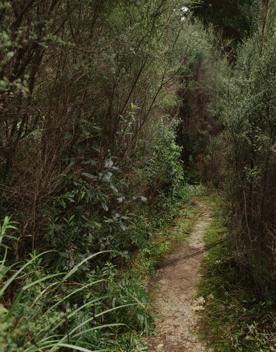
column 174, row 293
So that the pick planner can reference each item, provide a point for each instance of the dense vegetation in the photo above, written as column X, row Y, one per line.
column 108, row 110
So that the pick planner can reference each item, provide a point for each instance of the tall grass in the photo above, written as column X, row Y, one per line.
column 42, row 311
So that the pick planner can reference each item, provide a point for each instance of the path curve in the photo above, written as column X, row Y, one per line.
column 174, row 300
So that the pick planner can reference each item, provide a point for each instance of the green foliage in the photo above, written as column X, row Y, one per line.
column 56, row 311
column 86, row 118
column 88, row 165
column 233, row 319
column 91, row 212
column 249, row 138
column 164, row 171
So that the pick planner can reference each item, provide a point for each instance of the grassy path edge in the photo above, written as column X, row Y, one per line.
column 232, row 318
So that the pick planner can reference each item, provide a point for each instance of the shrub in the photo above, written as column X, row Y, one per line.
column 164, row 170
column 250, row 125
column 58, row 311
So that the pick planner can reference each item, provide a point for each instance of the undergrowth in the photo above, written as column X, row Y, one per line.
column 233, row 319
column 101, row 307
column 60, row 312
column 172, row 228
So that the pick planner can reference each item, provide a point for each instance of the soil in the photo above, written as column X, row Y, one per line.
column 174, row 294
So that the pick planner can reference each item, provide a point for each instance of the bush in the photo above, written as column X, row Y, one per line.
column 164, row 170
column 62, row 311
column 250, row 125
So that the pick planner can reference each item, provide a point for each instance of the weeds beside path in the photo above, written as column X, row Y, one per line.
column 227, row 314
column 234, row 318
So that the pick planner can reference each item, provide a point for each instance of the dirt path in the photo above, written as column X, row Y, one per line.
column 174, row 295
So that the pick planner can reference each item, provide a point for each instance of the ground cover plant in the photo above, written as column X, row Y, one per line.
column 233, row 318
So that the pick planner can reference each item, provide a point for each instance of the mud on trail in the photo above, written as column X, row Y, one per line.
column 174, row 291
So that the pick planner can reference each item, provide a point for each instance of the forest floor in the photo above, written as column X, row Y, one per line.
column 174, row 288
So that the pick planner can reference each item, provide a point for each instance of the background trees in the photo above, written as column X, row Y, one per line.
column 233, row 20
